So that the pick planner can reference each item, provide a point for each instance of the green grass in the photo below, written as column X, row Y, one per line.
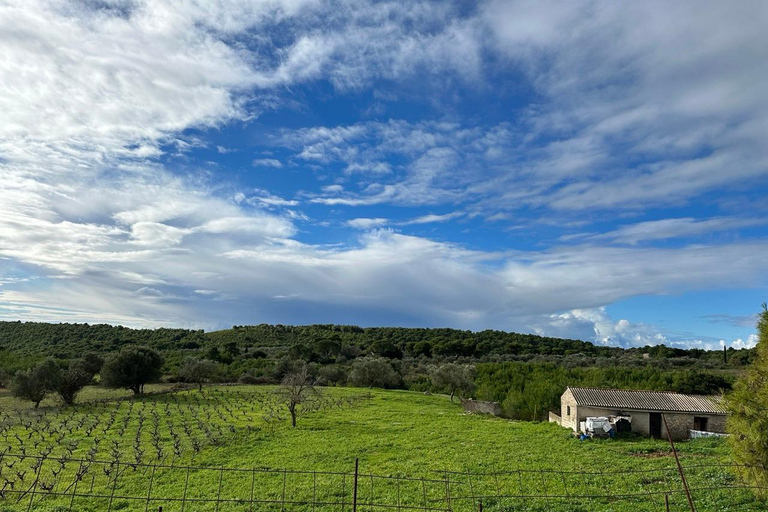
column 393, row 434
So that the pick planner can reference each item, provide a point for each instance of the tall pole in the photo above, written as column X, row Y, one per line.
column 679, row 467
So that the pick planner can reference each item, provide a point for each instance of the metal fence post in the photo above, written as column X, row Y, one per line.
column 354, row 491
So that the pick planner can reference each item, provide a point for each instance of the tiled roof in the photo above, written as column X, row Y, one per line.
column 647, row 400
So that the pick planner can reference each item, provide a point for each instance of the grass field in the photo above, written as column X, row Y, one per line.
column 413, row 450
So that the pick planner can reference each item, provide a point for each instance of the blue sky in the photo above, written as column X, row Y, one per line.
column 589, row 169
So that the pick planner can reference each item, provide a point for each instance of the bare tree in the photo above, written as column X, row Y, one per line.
column 297, row 388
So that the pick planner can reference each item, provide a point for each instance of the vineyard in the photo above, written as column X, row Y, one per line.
column 232, row 449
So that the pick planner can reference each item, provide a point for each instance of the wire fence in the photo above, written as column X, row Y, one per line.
column 70, row 484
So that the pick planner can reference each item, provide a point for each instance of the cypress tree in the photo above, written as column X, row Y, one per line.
column 748, row 422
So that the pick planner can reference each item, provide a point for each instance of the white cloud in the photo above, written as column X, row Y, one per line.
column 631, row 82
column 597, row 326
column 672, row 228
column 365, row 223
column 750, row 343
column 430, row 218
column 265, row 198
column 267, row 162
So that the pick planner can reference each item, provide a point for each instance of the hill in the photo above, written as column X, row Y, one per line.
column 31, row 340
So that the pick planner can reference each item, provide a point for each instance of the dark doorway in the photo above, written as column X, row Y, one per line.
column 700, row 423
column 655, row 424
column 623, row 425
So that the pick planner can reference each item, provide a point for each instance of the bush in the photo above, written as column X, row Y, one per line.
column 132, row 368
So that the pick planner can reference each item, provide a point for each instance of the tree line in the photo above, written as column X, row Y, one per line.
column 525, row 373
column 25, row 342
column 526, row 390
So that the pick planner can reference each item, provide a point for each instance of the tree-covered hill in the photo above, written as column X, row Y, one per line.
column 21, row 342
column 527, row 373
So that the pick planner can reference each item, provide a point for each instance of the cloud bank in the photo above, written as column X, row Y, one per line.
column 106, row 216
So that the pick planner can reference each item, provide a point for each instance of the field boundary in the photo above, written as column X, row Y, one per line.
column 69, row 482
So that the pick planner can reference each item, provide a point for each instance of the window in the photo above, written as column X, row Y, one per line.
column 699, row 423
column 568, row 410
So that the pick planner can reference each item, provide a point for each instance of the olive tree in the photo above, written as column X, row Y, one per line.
column 332, row 374
column 453, row 377
column 91, row 363
column 132, row 368
column 198, row 370
column 35, row 383
column 72, row 380
column 373, row 372
column 748, row 421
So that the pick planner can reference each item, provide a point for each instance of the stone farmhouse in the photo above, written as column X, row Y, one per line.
column 641, row 411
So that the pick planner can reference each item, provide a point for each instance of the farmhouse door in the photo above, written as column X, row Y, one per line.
column 655, row 425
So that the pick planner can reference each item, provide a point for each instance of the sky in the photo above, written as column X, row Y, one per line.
column 586, row 169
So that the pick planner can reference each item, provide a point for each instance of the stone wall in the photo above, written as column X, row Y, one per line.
column 479, row 407
column 569, row 414
column 716, row 423
column 680, row 425
column 554, row 418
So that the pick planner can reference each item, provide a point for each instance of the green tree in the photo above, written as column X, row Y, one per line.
column 748, row 421
column 72, row 380
column 198, row 370
column 132, row 368
column 453, row 377
column 332, row 374
column 34, row 384
column 533, row 401
column 91, row 363
column 373, row 372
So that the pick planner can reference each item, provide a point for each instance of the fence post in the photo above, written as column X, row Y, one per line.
column 448, row 490
column 354, row 491
column 679, row 467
